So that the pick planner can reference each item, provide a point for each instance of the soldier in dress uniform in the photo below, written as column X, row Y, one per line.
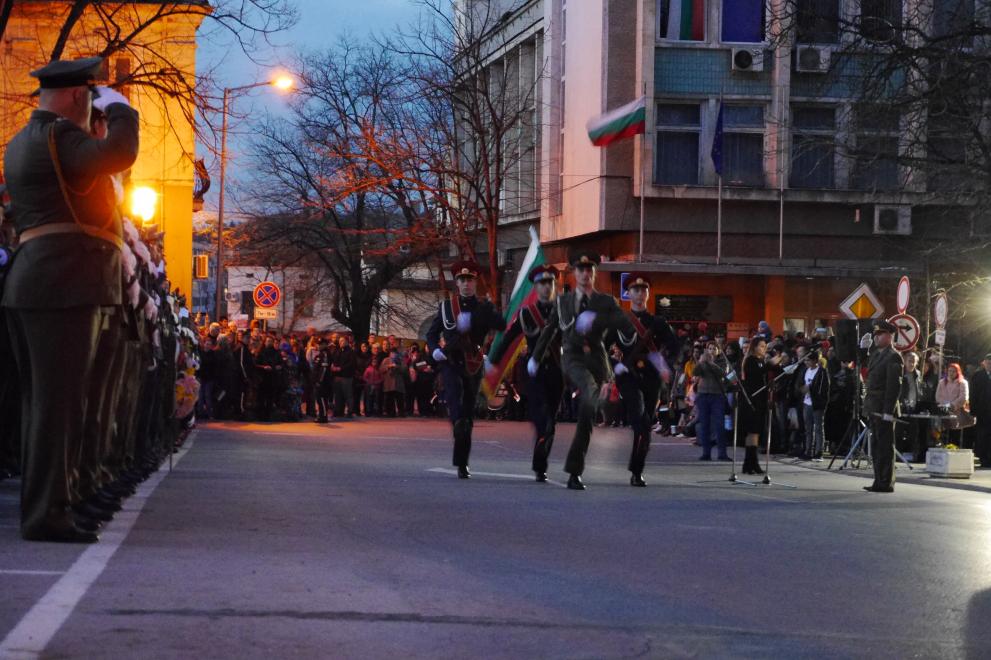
column 642, row 370
column 463, row 321
column 543, row 391
column 583, row 317
column 65, row 281
column 884, row 381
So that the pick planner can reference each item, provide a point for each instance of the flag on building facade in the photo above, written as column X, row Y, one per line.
column 743, row 21
column 717, row 143
column 623, row 122
column 683, row 20
column 523, row 294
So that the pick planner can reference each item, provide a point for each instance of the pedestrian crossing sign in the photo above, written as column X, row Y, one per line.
column 862, row 304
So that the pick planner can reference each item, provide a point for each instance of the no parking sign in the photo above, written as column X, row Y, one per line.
column 267, row 294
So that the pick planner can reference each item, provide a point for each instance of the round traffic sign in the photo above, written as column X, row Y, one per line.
column 941, row 310
column 907, row 336
column 267, row 294
column 901, row 298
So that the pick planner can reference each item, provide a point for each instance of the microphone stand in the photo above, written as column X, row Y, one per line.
column 736, row 416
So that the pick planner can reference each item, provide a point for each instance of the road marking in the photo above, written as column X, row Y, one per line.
column 33, row 633
column 502, row 475
column 14, row 571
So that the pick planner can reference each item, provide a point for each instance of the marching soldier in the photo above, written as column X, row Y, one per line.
column 643, row 368
column 65, row 281
column 583, row 317
column 884, row 380
column 543, row 390
column 463, row 322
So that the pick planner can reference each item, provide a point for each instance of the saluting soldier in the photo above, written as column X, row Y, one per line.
column 884, row 381
column 642, row 370
column 65, row 281
column 544, row 389
column 583, row 317
column 463, row 321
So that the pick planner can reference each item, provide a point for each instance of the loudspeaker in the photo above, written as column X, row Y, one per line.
column 848, row 334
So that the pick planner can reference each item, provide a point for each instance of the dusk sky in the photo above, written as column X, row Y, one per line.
column 321, row 23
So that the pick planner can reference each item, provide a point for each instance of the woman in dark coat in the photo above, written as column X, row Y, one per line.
column 752, row 410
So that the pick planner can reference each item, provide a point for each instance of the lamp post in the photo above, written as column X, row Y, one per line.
column 283, row 83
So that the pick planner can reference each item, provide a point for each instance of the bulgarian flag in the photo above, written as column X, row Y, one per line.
column 523, row 295
column 683, row 20
column 624, row 122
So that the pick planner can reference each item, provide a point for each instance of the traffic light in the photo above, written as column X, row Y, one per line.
column 201, row 266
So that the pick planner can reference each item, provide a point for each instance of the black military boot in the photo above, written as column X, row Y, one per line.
column 637, row 480
column 575, row 482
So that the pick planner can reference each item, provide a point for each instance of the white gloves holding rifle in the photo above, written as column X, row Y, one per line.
column 439, row 355
column 866, row 341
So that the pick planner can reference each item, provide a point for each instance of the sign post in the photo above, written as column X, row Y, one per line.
column 267, row 296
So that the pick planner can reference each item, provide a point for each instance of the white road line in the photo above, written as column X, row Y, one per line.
column 15, row 571
column 502, row 475
column 33, row 633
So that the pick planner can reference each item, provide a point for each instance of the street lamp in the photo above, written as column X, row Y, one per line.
column 144, row 200
column 281, row 82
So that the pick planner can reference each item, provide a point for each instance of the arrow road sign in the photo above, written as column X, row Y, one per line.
column 908, row 333
column 267, row 294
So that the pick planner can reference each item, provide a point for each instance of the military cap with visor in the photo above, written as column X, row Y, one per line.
column 465, row 268
column 69, row 73
column 884, row 326
column 636, row 279
column 584, row 258
column 542, row 273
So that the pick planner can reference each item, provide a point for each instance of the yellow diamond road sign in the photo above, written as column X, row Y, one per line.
column 862, row 304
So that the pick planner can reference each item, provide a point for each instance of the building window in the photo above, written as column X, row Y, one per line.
column 880, row 20
column 813, row 147
column 677, row 154
column 743, row 145
column 953, row 18
column 744, row 21
column 946, row 153
column 818, row 21
column 875, row 154
column 681, row 20
column 303, row 300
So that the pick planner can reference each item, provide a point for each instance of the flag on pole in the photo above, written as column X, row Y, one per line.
column 683, row 20
column 717, row 143
column 523, row 294
column 623, row 122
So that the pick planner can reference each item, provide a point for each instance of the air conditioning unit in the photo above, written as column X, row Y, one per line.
column 893, row 220
column 813, row 59
column 748, row 60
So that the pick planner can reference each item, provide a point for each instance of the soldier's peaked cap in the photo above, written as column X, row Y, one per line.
column 884, row 326
column 636, row 279
column 542, row 272
column 465, row 268
column 584, row 258
column 69, row 73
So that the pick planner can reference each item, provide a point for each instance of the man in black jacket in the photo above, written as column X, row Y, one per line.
column 980, row 406
column 815, row 397
column 343, row 367
column 269, row 366
column 462, row 322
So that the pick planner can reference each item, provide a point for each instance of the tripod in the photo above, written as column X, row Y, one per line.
column 770, row 413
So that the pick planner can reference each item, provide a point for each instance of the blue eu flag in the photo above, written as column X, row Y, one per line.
column 717, row 143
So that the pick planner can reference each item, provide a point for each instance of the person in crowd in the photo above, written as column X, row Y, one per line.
column 583, row 317
column 268, row 365
column 362, row 358
column 343, row 368
column 815, row 399
column 980, row 406
column 323, row 382
column 423, row 381
column 463, row 321
column 209, row 370
column 953, row 394
column 884, row 379
column 710, row 401
column 753, row 402
column 393, row 385
column 373, row 378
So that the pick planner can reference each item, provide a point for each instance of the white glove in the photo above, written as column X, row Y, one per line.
column 661, row 365
column 585, row 321
column 620, row 369
column 888, row 418
column 866, row 341
column 464, row 322
column 107, row 97
column 439, row 355
column 531, row 367
column 487, row 366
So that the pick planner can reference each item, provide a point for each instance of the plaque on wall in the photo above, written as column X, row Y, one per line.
column 717, row 309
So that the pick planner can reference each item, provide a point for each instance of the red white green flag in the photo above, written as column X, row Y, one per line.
column 523, row 295
column 683, row 20
column 624, row 122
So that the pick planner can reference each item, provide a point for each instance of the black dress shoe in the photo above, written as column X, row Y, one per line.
column 90, row 510
column 86, row 524
column 70, row 534
column 541, row 477
column 463, row 472
column 575, row 482
column 637, row 480
column 106, row 502
column 878, row 489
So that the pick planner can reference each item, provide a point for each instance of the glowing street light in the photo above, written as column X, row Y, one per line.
column 144, row 202
column 281, row 82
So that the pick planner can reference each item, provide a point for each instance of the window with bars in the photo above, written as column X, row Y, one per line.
column 813, row 147
column 875, row 153
column 743, row 145
column 679, row 128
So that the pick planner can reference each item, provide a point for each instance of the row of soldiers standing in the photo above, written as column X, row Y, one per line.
column 568, row 335
column 92, row 330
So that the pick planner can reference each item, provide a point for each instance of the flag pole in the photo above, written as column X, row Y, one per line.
column 643, row 174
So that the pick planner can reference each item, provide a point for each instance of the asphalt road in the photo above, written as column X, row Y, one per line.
column 355, row 540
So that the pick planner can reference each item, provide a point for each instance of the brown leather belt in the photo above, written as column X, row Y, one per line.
column 70, row 228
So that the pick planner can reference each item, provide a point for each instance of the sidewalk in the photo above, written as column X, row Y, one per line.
column 980, row 481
